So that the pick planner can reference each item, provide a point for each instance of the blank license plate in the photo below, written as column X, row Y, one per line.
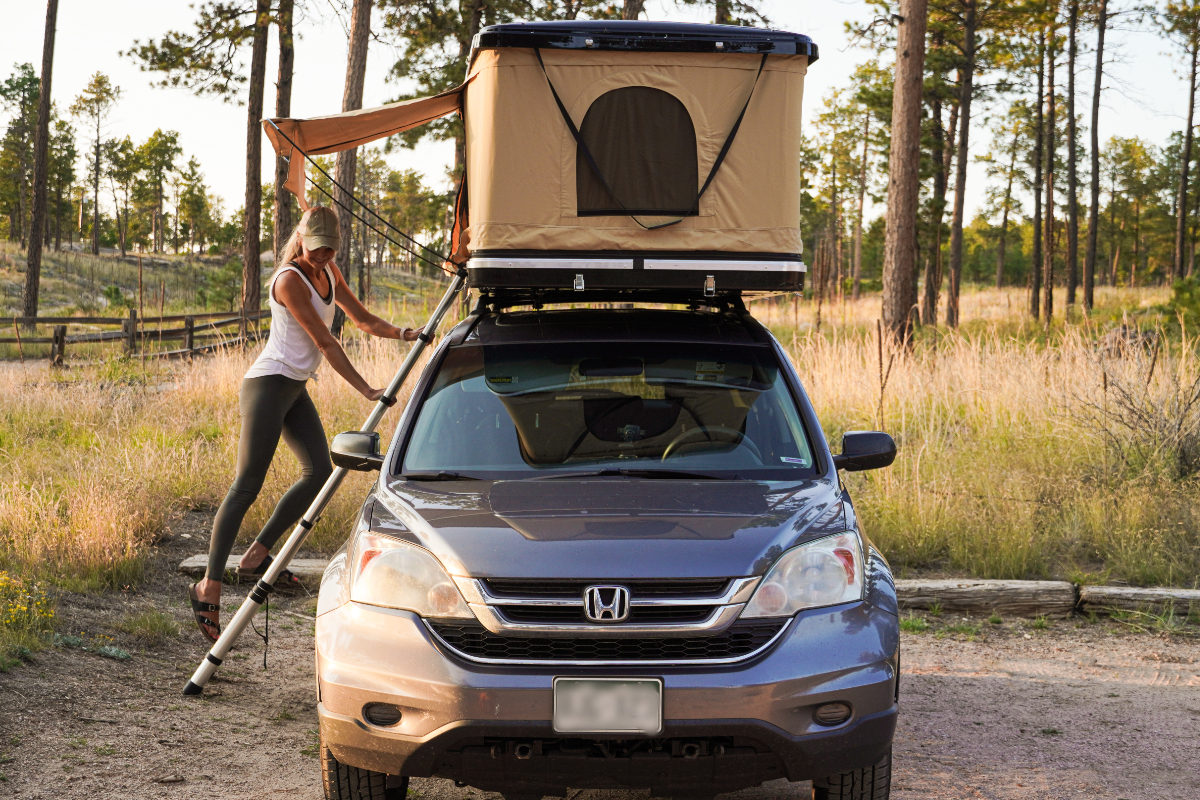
column 608, row 705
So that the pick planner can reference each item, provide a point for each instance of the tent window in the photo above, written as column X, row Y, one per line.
column 644, row 142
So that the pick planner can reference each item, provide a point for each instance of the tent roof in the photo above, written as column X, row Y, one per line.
column 674, row 37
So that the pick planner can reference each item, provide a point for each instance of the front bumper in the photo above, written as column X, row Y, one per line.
column 751, row 722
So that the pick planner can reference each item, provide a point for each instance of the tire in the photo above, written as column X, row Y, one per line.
column 344, row 782
column 868, row 783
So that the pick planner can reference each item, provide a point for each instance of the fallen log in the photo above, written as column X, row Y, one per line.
column 981, row 597
column 307, row 569
column 1103, row 599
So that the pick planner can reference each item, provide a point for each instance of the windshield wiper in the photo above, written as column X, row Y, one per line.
column 438, row 476
column 658, row 474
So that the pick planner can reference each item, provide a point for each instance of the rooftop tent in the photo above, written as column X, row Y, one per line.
column 619, row 154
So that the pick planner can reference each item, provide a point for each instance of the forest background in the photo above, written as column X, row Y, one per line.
column 1047, row 404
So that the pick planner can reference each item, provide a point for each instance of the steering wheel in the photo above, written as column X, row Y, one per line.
column 739, row 438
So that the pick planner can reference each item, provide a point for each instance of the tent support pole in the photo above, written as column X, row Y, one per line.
column 262, row 590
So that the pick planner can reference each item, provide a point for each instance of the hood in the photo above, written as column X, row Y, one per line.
column 607, row 528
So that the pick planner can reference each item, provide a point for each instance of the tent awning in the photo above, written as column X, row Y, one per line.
column 337, row 132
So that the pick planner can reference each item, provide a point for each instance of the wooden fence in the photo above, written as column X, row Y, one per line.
column 199, row 332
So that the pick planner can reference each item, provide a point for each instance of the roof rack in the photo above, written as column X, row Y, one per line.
column 677, row 274
column 497, row 300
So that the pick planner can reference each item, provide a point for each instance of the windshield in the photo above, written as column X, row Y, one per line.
column 522, row 411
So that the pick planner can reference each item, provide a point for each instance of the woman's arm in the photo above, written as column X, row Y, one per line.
column 364, row 320
column 297, row 298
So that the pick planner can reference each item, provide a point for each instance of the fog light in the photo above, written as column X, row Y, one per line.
column 381, row 714
column 832, row 714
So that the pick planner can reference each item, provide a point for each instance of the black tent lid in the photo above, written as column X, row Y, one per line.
column 669, row 37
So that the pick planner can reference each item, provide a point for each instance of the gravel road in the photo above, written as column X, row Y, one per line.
column 1078, row 710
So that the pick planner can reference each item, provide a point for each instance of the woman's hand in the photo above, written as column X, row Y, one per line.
column 409, row 334
column 374, row 394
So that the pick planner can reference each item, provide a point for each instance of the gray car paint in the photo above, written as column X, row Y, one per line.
column 663, row 528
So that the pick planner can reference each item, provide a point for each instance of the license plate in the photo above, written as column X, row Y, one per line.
column 608, row 705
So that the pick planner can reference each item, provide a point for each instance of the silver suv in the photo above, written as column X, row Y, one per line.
column 608, row 549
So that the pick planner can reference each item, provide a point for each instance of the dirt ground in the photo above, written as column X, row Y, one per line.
column 1078, row 710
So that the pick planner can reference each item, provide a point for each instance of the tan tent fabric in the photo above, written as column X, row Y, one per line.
column 337, row 132
column 521, row 159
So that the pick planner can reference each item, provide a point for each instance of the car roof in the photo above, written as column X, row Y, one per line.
column 589, row 325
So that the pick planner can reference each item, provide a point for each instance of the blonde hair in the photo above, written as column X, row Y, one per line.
column 291, row 248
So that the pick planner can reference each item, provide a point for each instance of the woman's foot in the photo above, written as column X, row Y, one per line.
column 252, row 558
column 206, row 605
column 255, row 562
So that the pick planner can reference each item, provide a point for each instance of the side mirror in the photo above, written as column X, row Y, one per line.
column 356, row 450
column 865, row 450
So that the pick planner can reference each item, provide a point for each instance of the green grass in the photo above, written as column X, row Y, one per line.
column 913, row 624
column 151, row 626
column 27, row 615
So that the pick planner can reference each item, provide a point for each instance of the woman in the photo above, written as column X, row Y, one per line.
column 274, row 401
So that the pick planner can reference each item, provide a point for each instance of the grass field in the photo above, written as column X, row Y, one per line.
column 1024, row 453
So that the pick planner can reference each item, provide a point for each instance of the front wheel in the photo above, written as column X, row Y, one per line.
column 344, row 782
column 868, row 783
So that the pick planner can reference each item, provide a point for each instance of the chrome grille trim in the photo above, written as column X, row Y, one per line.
column 489, row 610
column 516, row 662
column 494, row 620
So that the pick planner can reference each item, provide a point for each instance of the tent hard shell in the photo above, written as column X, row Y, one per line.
column 612, row 155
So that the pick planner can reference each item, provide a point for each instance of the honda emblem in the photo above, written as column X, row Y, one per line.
column 606, row 603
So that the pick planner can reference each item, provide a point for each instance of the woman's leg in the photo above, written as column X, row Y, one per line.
column 264, row 404
column 305, row 435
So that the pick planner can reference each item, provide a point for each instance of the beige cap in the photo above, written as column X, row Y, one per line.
column 321, row 229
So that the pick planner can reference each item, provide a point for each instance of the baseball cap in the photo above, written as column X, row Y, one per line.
column 321, row 229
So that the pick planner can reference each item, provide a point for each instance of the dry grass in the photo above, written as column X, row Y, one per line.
column 98, row 458
column 1014, row 460
column 1020, row 459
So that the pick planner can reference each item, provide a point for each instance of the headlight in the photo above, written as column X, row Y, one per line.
column 821, row 573
column 395, row 574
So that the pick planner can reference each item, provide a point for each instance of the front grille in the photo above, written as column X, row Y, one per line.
column 643, row 614
column 658, row 588
column 740, row 639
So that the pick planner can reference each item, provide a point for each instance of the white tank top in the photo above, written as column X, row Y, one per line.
column 290, row 351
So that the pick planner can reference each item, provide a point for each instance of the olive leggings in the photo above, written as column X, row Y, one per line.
column 271, row 405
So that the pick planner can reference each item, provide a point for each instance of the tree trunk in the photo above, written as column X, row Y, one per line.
column 862, row 194
column 58, row 218
column 632, row 9
column 836, row 230
column 1035, row 272
column 1048, row 238
column 96, row 194
column 933, row 262
column 899, row 285
column 1181, row 205
column 251, row 268
column 1089, row 261
column 1072, row 176
column 347, row 160
column 283, row 108
column 723, row 14
column 1012, row 168
column 41, row 150
column 960, row 176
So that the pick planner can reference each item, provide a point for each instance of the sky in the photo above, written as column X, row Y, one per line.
column 1147, row 97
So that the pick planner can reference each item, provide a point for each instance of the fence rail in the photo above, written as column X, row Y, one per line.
column 134, row 332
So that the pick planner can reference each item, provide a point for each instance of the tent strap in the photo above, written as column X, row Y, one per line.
column 712, row 173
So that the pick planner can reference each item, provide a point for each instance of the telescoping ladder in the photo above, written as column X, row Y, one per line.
column 266, row 584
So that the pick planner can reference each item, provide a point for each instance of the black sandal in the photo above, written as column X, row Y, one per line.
column 200, row 608
column 285, row 580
